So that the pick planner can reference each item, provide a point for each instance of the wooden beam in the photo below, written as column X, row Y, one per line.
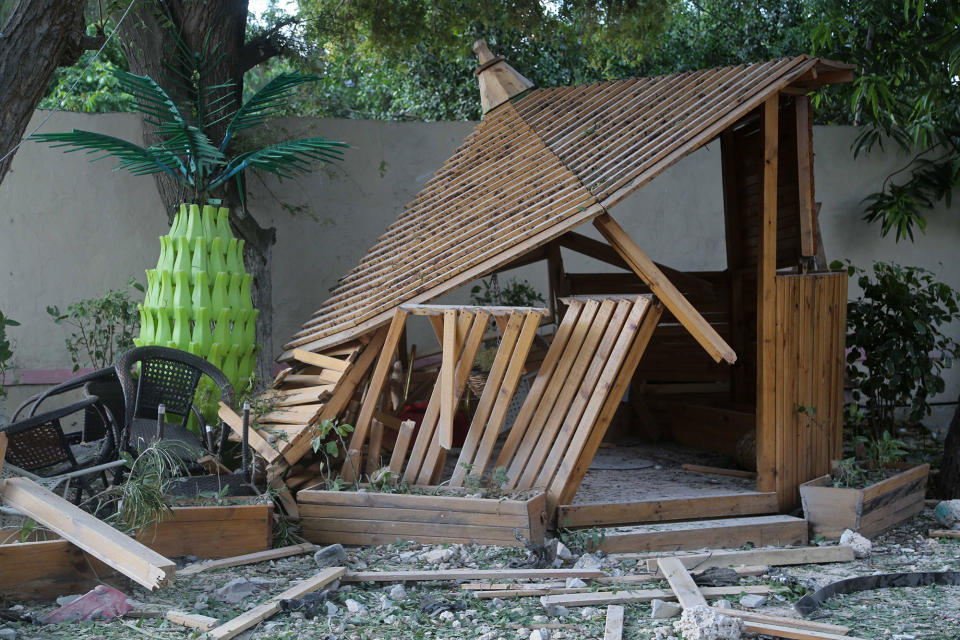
column 686, row 590
column 469, row 574
column 587, row 246
column 139, row 563
column 400, row 446
column 613, row 626
column 260, row 613
column 440, row 309
column 191, row 620
column 791, row 632
column 719, row 471
column 661, row 286
column 782, row 621
column 373, row 448
column 767, row 306
column 716, row 506
column 254, row 439
column 772, row 557
column 249, row 558
column 805, row 204
column 944, row 533
column 3, row 454
column 447, row 372
column 600, row 598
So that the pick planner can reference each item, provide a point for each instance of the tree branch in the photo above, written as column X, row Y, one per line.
column 265, row 46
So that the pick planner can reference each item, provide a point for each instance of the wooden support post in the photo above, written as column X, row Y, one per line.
column 447, row 367
column 139, row 563
column 559, row 285
column 3, row 454
column 400, row 447
column 740, row 390
column 687, row 591
column 373, row 448
column 377, row 380
column 661, row 286
column 767, row 306
column 613, row 626
column 260, row 613
column 804, row 123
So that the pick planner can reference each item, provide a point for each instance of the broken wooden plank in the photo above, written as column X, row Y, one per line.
column 468, row 574
column 644, row 595
column 696, row 507
column 728, row 533
column 613, row 626
column 373, row 449
column 661, row 286
column 139, row 563
column 320, row 360
column 259, row 613
column 192, row 620
column 506, row 594
column 254, row 439
column 772, row 557
column 446, row 382
column 400, row 447
column 249, row 558
column 682, row 584
column 798, row 623
column 791, row 632
column 944, row 533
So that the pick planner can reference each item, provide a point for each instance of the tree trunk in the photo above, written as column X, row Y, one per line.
column 948, row 484
column 150, row 47
column 39, row 36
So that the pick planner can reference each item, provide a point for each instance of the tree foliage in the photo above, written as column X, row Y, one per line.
column 906, row 94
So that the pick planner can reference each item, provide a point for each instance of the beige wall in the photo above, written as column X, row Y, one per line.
column 73, row 229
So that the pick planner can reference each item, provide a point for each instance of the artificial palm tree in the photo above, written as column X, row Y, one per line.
column 198, row 298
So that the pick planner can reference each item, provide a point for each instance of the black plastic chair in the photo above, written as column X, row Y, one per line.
column 166, row 385
column 37, row 443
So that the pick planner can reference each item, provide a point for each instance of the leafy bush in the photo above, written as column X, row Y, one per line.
column 514, row 294
column 896, row 346
column 6, row 353
column 102, row 327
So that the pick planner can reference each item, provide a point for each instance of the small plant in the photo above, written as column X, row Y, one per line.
column 327, row 447
column 580, row 541
column 101, row 327
column 848, row 473
column 6, row 353
column 491, row 487
column 514, row 294
column 896, row 349
column 879, row 455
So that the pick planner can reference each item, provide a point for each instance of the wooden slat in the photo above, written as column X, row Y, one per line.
column 682, row 584
column 613, row 625
column 261, row 612
column 728, row 533
column 191, row 620
column 805, row 200
column 470, row 574
column 782, row 621
column 259, row 444
column 373, row 448
column 665, row 291
column 320, row 360
column 640, row 325
column 400, row 447
column 377, row 380
column 139, row 563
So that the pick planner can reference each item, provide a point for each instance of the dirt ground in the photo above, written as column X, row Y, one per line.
column 896, row 614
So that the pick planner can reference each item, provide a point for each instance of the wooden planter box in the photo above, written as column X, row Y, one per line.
column 351, row 517
column 40, row 569
column 869, row 511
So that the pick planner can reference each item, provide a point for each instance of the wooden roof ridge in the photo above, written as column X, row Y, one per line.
column 540, row 163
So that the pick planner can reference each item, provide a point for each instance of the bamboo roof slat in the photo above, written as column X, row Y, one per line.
column 537, row 166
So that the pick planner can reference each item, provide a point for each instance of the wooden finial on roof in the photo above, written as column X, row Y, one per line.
column 498, row 80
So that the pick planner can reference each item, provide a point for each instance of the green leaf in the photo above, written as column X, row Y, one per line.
column 332, row 448
column 285, row 159
column 133, row 158
column 265, row 103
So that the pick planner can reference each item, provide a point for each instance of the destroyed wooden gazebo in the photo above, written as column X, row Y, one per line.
column 732, row 351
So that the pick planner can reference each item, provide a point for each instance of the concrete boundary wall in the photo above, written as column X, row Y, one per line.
column 73, row 229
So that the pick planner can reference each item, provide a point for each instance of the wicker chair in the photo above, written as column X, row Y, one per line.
column 38, row 444
column 169, row 378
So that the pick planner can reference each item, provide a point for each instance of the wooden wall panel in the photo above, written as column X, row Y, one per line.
column 810, row 347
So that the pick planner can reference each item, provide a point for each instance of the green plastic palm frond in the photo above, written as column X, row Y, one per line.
column 286, row 159
column 134, row 158
column 194, row 149
column 151, row 99
column 265, row 103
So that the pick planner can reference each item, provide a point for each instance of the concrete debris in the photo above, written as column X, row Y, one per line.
column 540, row 634
column 717, row 577
column 752, row 601
column 397, row 592
column 947, row 513
column 355, row 607
column 663, row 610
column 575, row 583
column 704, row 623
column 8, row 634
column 238, row 590
column 436, row 556
column 555, row 610
column 563, row 552
column 587, row 561
column 723, row 603
column 332, row 556
column 861, row 546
